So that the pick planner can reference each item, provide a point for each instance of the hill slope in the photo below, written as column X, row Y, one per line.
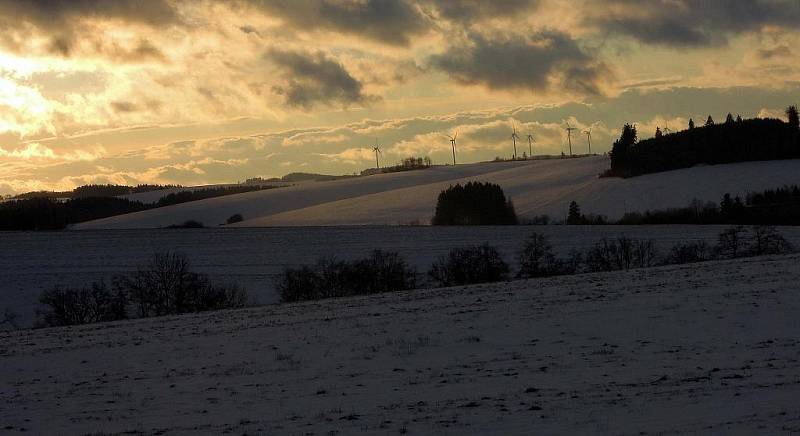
column 703, row 348
column 537, row 187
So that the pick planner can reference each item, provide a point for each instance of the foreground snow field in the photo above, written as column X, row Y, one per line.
column 537, row 187
column 708, row 348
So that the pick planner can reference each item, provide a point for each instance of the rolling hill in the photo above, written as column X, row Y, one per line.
column 537, row 188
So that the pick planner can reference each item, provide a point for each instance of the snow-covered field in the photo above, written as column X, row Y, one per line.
column 709, row 348
column 537, row 187
column 31, row 262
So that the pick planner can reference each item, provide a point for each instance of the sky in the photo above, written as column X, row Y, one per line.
column 199, row 92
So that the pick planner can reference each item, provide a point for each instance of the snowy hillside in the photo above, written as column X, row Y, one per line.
column 537, row 187
column 707, row 348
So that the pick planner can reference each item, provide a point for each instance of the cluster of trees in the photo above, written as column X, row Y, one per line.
column 50, row 214
column 779, row 206
column 166, row 285
column 475, row 203
column 387, row 272
column 379, row 272
column 736, row 140
column 87, row 191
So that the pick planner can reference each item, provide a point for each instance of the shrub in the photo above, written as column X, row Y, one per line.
column 236, row 218
column 468, row 265
column 537, row 259
column 767, row 240
column 474, row 203
column 731, row 242
column 688, row 252
column 620, row 254
column 380, row 272
column 73, row 306
column 188, row 224
column 166, row 286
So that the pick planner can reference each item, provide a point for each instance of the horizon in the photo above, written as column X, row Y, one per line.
column 195, row 93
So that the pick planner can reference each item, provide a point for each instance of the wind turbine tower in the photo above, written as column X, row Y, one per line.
column 588, row 133
column 530, row 145
column 514, row 138
column 453, row 144
column 377, row 151
column 569, row 130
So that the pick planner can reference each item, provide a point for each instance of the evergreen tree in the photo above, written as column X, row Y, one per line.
column 621, row 149
column 738, row 118
column 729, row 119
column 792, row 116
column 574, row 216
column 709, row 121
column 658, row 132
column 691, row 124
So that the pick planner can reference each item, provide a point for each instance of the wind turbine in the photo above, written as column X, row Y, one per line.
column 588, row 133
column 530, row 145
column 514, row 138
column 377, row 151
column 453, row 144
column 569, row 130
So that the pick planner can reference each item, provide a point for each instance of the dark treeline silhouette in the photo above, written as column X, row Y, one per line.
column 202, row 194
column 50, row 214
column 380, row 272
column 47, row 214
column 474, row 203
column 86, row 191
column 733, row 141
column 388, row 272
column 165, row 285
column 407, row 164
column 771, row 207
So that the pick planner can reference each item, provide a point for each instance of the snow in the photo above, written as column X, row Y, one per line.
column 537, row 187
column 708, row 348
column 254, row 257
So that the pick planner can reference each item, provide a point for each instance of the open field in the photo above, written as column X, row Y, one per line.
column 33, row 262
column 537, row 187
column 705, row 348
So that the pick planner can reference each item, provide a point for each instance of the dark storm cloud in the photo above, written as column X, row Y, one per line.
column 313, row 78
column 387, row 21
column 61, row 19
column 472, row 10
column 692, row 23
column 534, row 62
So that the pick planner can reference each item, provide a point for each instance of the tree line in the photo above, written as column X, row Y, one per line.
column 389, row 272
column 735, row 140
column 95, row 190
column 51, row 214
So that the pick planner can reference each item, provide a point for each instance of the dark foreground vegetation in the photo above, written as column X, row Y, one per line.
column 166, row 285
column 735, row 140
column 386, row 272
column 51, row 214
column 475, row 203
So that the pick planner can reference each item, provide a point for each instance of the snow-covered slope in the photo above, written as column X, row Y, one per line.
column 537, row 187
column 696, row 349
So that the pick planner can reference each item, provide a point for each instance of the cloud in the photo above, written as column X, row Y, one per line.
column 314, row 78
column 391, row 22
column 536, row 62
column 468, row 11
column 63, row 21
column 692, row 23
